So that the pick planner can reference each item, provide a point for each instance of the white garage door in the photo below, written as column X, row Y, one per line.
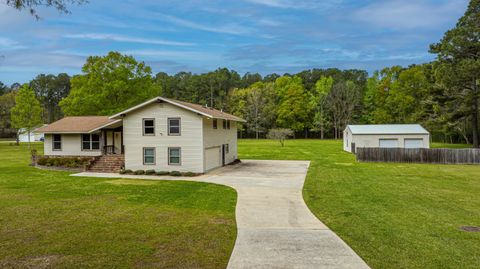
column 212, row 158
column 388, row 143
column 413, row 143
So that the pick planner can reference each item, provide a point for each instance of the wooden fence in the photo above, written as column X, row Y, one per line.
column 420, row 155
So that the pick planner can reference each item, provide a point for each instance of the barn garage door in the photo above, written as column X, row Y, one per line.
column 413, row 143
column 212, row 158
column 388, row 143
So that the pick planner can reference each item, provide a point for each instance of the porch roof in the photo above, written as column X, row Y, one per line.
column 78, row 124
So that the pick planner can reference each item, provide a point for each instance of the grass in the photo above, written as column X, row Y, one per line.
column 392, row 215
column 49, row 219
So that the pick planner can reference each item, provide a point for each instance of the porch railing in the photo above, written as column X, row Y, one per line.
column 110, row 149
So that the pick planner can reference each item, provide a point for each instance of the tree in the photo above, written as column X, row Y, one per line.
column 31, row 5
column 319, row 95
column 50, row 90
column 109, row 84
column 293, row 105
column 458, row 67
column 280, row 134
column 342, row 102
column 27, row 112
column 3, row 88
column 7, row 102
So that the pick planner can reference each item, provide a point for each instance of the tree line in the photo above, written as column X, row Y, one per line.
column 442, row 95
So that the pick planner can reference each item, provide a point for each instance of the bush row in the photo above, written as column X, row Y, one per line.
column 70, row 162
column 158, row 173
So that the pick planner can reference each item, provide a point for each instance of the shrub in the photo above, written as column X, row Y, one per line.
column 70, row 162
column 175, row 173
column 127, row 171
column 162, row 173
column 139, row 172
column 150, row 172
column 189, row 174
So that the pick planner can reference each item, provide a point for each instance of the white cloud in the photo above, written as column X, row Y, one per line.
column 230, row 28
column 9, row 44
column 399, row 14
column 311, row 4
column 121, row 38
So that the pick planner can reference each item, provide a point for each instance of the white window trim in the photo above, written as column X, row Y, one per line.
column 90, row 142
column 143, row 127
column 179, row 156
column 53, row 142
column 154, row 156
column 179, row 127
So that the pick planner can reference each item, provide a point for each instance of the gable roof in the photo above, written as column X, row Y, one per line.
column 196, row 108
column 387, row 129
column 77, row 124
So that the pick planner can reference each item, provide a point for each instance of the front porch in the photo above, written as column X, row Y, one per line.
column 112, row 141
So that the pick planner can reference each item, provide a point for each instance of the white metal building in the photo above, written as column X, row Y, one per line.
column 385, row 136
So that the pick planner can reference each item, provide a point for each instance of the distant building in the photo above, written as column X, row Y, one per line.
column 385, row 136
column 34, row 137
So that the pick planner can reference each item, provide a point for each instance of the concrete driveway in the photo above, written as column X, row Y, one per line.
column 275, row 227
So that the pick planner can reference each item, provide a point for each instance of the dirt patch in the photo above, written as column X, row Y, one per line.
column 471, row 229
column 130, row 182
column 40, row 262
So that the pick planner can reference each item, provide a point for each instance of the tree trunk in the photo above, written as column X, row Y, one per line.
column 321, row 132
column 28, row 138
column 475, row 115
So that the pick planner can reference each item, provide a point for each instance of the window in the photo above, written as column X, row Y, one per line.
column 90, row 141
column 57, row 142
column 148, row 126
column 228, row 124
column 215, row 123
column 174, row 156
column 224, row 124
column 148, row 155
column 174, row 126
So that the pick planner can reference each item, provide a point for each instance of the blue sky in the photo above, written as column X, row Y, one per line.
column 262, row 36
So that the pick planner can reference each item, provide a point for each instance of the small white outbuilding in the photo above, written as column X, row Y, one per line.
column 385, row 136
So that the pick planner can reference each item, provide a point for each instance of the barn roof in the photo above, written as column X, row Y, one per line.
column 387, row 129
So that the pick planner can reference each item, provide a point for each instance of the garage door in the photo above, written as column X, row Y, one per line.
column 388, row 143
column 212, row 158
column 413, row 143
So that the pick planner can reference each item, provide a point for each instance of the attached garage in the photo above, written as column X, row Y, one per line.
column 385, row 136
column 213, row 158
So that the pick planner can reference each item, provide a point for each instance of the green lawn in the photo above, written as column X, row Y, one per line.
column 49, row 219
column 392, row 215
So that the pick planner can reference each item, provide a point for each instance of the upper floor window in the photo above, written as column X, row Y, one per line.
column 148, row 126
column 224, row 123
column 90, row 141
column 228, row 124
column 173, row 126
column 57, row 142
column 215, row 123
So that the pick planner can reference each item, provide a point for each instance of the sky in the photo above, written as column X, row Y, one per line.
column 264, row 36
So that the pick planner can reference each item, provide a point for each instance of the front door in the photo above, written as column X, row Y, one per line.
column 117, row 142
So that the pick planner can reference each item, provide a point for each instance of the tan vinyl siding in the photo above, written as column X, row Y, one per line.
column 190, row 140
column 219, row 136
column 71, row 146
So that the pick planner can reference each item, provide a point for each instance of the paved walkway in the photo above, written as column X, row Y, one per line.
column 275, row 227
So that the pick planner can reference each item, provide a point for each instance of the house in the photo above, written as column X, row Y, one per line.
column 23, row 136
column 385, row 136
column 161, row 134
